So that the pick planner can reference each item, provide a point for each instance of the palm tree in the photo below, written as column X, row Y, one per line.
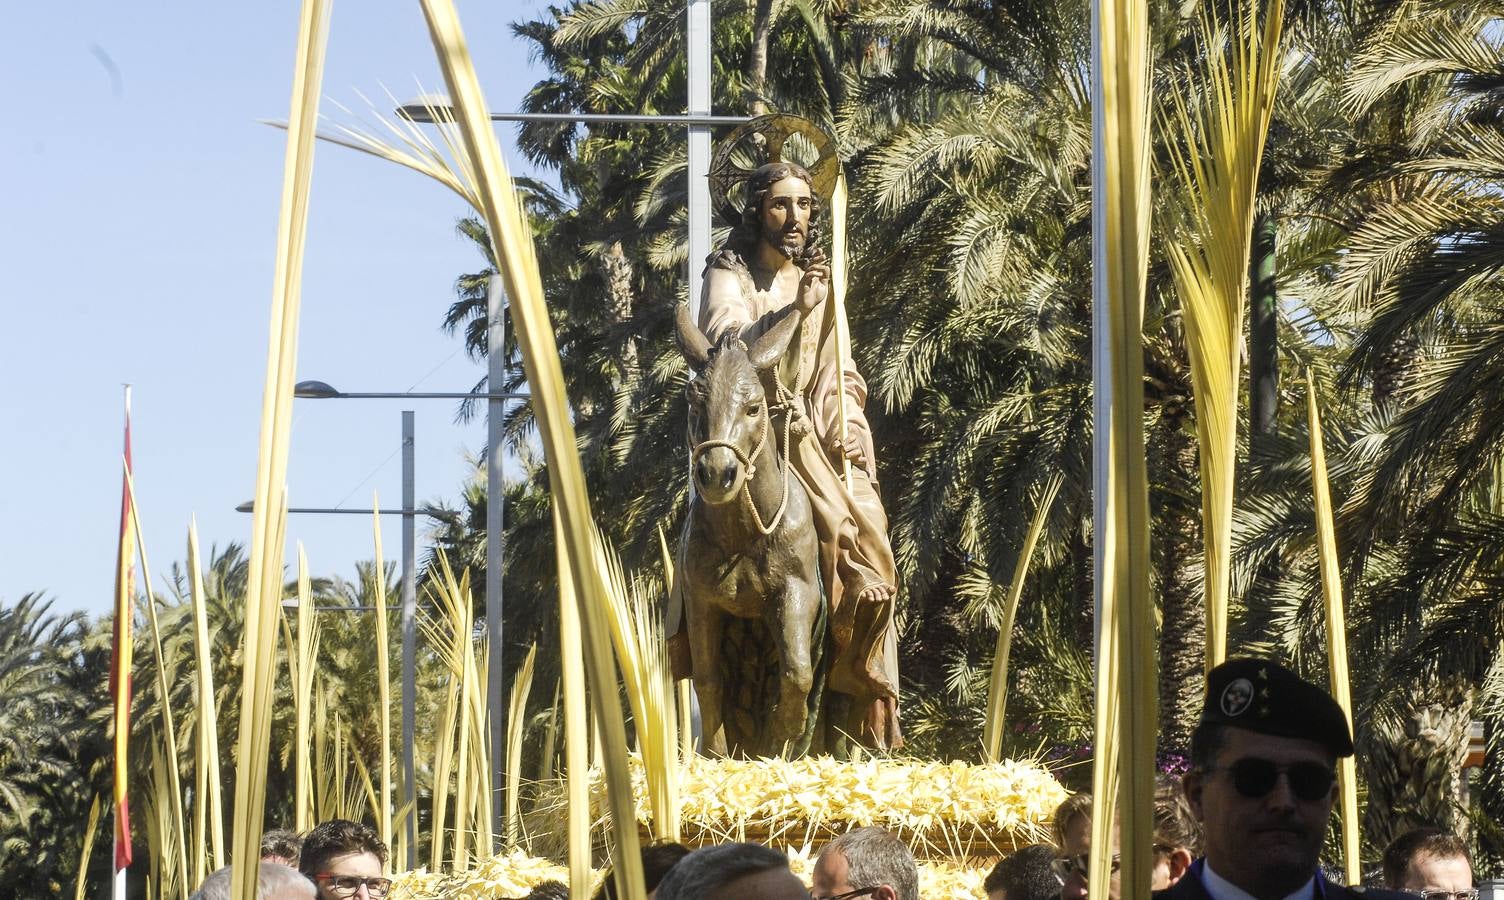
column 48, row 740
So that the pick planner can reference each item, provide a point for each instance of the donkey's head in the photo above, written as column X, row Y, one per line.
column 728, row 412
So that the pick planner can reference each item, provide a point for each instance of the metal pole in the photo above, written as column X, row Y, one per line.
column 699, row 147
column 417, row 112
column 409, row 641
column 496, row 332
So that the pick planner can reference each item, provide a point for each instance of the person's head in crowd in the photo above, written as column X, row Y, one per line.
column 1433, row 863
column 868, row 859
column 1073, row 825
column 345, row 859
column 1262, row 778
column 1177, row 835
column 281, row 846
column 274, row 881
column 549, row 890
column 1177, row 843
column 1024, row 874
column 732, row 872
column 657, row 859
column 1071, row 868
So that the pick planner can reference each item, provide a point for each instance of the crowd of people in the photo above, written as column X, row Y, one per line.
column 1246, row 822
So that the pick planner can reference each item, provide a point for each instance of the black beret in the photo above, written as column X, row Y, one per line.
column 1267, row 698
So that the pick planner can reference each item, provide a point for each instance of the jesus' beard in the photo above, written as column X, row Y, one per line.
column 790, row 243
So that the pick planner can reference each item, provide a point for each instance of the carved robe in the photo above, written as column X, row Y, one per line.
column 851, row 523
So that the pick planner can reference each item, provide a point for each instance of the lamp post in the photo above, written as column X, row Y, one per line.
column 409, row 595
column 496, row 306
column 496, row 374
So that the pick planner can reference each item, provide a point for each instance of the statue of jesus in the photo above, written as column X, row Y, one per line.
column 769, row 262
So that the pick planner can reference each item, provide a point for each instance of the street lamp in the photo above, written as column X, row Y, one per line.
column 496, row 309
column 429, row 109
column 409, row 592
column 322, row 390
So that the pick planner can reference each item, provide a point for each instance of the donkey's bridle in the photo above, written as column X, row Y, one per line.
column 696, row 451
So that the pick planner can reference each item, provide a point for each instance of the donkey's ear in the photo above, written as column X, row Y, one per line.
column 770, row 347
column 691, row 339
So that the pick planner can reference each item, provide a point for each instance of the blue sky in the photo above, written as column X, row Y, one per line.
column 137, row 238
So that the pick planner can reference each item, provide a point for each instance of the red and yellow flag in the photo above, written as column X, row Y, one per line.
column 120, row 659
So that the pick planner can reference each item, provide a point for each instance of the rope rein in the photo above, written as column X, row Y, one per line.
column 787, row 403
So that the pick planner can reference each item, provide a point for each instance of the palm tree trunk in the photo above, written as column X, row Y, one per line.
column 1182, row 639
column 1413, row 767
column 757, row 57
column 1263, row 385
column 1263, row 336
column 619, row 295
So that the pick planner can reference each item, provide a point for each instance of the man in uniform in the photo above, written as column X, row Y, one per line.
column 769, row 263
column 1262, row 784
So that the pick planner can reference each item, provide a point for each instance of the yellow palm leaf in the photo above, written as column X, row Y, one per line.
column 1215, row 149
column 264, row 583
column 1126, row 709
column 1336, row 632
column 997, row 688
column 516, row 257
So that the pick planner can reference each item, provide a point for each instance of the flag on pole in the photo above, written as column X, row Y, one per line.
column 120, row 658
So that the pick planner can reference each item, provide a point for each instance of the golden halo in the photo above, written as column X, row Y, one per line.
column 741, row 154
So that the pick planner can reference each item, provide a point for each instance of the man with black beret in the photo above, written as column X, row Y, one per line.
column 1262, row 784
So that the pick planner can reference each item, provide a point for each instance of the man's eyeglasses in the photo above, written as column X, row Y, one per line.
column 1470, row 894
column 859, row 892
column 1079, row 864
column 347, row 885
column 1255, row 778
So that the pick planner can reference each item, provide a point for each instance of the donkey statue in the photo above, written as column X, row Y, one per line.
column 747, row 568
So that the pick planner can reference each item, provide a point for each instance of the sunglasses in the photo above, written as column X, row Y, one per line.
column 849, row 895
column 1255, row 778
column 1079, row 864
column 1448, row 895
column 347, row 885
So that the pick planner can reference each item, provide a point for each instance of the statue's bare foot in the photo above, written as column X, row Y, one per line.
column 877, row 593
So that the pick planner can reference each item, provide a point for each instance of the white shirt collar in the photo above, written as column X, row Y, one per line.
column 1220, row 888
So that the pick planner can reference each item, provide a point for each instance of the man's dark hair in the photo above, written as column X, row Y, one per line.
column 746, row 233
column 1420, row 842
column 704, row 872
column 657, row 859
column 1025, row 874
column 1175, row 826
column 338, row 837
column 1206, row 742
column 549, row 890
column 282, row 844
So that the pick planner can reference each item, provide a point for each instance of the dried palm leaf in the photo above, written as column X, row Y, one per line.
column 683, row 687
column 304, row 654
column 383, row 681
column 576, row 724
column 835, row 310
column 209, row 797
column 517, row 262
column 1336, row 633
column 88, row 848
column 522, row 685
column 165, row 677
column 264, row 583
column 997, row 688
column 1215, row 150
column 1126, row 707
